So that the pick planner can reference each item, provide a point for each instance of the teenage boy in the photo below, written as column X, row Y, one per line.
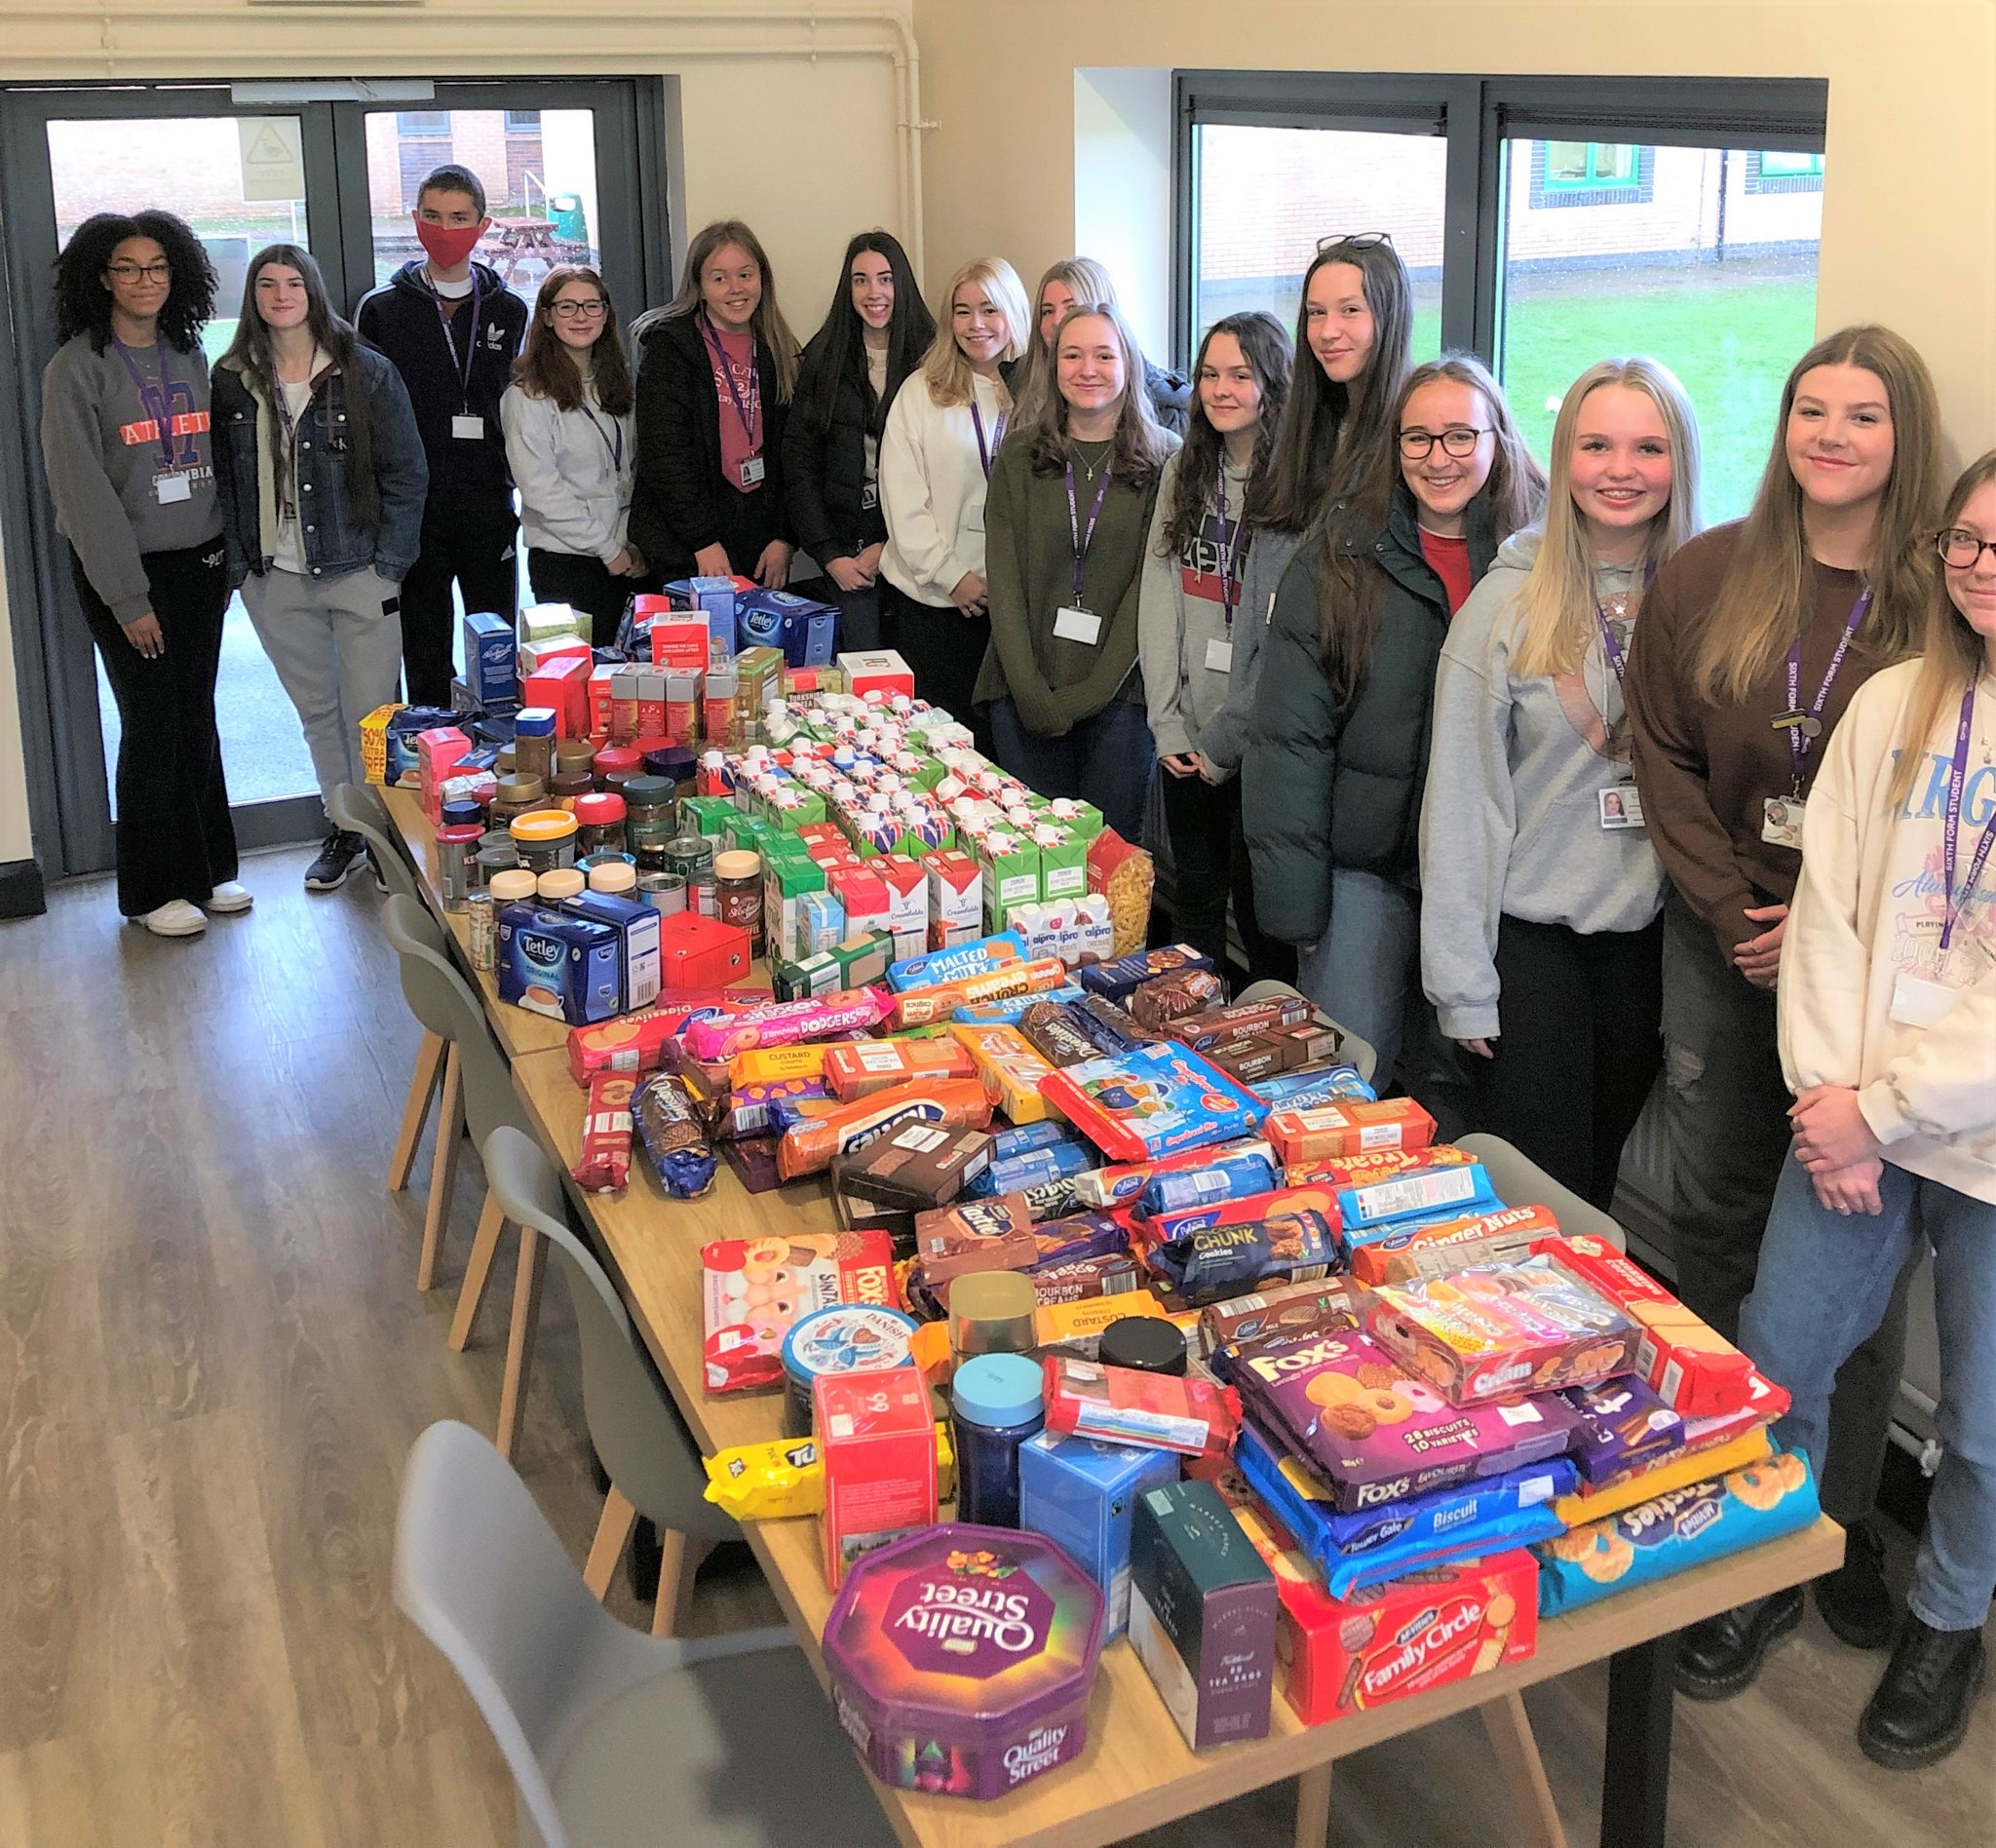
column 452, row 329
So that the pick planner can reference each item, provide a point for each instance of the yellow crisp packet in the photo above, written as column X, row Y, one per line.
column 784, row 1480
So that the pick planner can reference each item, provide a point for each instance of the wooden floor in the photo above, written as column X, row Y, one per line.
column 213, row 1358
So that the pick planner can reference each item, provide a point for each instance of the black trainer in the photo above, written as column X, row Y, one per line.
column 1920, row 1708
column 1720, row 1656
column 1854, row 1601
column 335, row 863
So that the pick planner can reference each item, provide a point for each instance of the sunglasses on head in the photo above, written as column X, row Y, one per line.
column 1359, row 241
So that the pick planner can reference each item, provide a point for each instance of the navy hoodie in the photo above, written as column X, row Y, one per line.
column 401, row 321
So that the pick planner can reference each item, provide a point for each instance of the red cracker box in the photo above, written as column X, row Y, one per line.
column 1355, row 1127
column 602, row 700
column 956, row 899
column 877, row 670
column 907, row 903
column 679, row 641
column 877, row 1440
column 561, row 684
column 439, row 751
column 864, row 894
column 696, row 953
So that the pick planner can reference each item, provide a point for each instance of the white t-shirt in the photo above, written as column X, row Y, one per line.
column 289, row 555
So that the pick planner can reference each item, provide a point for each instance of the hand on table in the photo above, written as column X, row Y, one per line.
column 713, row 561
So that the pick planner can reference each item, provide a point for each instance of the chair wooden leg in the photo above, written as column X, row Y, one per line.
column 1313, row 1807
column 519, row 1338
column 679, row 1561
column 1509, row 1728
column 443, row 1170
column 607, row 1548
column 422, row 1088
column 478, row 1273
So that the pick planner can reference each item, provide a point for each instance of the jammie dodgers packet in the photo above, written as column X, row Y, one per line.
column 1376, row 1434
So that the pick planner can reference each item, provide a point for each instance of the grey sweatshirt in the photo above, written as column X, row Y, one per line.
column 1180, row 612
column 1511, row 821
column 1223, row 738
column 102, row 447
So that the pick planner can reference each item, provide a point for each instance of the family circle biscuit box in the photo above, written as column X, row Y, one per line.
column 756, row 1290
column 961, row 1659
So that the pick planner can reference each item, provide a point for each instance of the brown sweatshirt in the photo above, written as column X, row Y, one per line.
column 1707, row 770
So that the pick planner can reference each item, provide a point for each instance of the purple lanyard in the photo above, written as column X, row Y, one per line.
column 471, row 339
column 984, row 456
column 751, row 413
column 616, row 429
column 1226, row 541
column 1804, row 728
column 1957, row 777
column 1081, row 540
column 1610, row 646
column 139, row 384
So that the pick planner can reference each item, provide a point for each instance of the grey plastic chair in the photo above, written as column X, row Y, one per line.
column 614, row 1738
column 361, row 812
column 1353, row 1050
column 653, row 1463
column 485, row 1100
column 1522, row 1182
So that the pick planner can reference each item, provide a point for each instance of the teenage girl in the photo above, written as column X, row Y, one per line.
column 572, row 442
column 1887, row 1021
column 124, row 438
column 1339, row 747
column 1540, row 942
column 716, row 367
column 874, row 337
column 1186, row 618
column 1081, row 279
column 1752, row 641
column 1354, row 326
column 1070, row 510
column 937, row 454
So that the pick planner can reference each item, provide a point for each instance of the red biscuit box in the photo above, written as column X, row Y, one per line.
column 563, row 686
column 696, row 953
column 680, row 641
column 1696, row 1369
column 877, row 1445
column 439, row 751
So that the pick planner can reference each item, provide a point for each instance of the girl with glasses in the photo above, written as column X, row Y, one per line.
column 1541, row 945
column 1339, row 744
column 572, row 442
column 1752, row 642
column 124, row 438
column 1887, row 1026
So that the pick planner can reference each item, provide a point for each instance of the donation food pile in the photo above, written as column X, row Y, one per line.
column 1146, row 1319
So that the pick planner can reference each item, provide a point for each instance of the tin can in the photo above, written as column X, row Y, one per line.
column 482, row 916
column 664, row 892
column 703, row 893
column 690, row 854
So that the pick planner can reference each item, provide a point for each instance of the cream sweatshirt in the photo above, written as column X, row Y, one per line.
column 932, row 490
column 1868, row 908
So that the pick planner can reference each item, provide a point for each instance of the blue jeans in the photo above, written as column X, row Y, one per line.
column 1824, row 1280
column 1105, row 759
column 1358, row 971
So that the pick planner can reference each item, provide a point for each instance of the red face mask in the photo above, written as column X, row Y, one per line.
column 447, row 245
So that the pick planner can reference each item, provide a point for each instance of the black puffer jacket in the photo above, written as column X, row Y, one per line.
column 679, row 501
column 1323, row 787
column 1170, row 397
column 825, row 470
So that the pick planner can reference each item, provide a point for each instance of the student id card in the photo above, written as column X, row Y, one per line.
column 753, row 472
column 1219, row 656
column 1075, row 624
column 1621, row 806
column 468, row 429
column 168, row 488
column 1919, row 1000
column 1780, row 822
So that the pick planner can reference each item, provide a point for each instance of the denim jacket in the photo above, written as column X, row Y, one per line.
column 334, row 545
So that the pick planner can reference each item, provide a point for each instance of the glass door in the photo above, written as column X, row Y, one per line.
column 567, row 167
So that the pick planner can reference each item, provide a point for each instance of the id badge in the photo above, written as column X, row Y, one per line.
column 870, row 496
column 753, row 472
column 168, row 488
column 468, row 429
column 1917, row 1001
column 1621, row 806
column 1780, row 822
column 1074, row 624
column 1219, row 657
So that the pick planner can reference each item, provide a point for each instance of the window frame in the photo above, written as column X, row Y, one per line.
column 1756, row 180
column 1549, row 194
column 1476, row 115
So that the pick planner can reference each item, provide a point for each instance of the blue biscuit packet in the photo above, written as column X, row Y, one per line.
column 1210, row 1263
column 1026, row 1136
column 1306, row 1090
column 1225, row 1178
column 1442, row 1191
column 669, row 1127
column 1011, row 1011
column 1079, row 1235
column 976, row 958
column 1396, row 1538
column 1682, row 1528
column 1035, row 1168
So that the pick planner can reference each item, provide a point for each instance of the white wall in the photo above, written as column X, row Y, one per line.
column 1123, row 191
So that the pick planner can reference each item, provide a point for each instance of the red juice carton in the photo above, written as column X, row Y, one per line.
column 877, row 1437
column 877, row 670
column 956, row 899
column 907, row 903
column 864, row 895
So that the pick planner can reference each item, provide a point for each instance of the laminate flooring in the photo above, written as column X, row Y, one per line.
column 213, row 1360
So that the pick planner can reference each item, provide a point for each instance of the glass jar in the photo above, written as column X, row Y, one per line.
column 617, row 878
column 703, row 893
column 458, row 853
column 600, row 820
column 517, row 794
column 738, row 880
column 545, row 838
column 689, row 854
column 564, row 882
column 515, row 886
column 616, row 762
column 995, row 1404
column 575, row 758
column 991, row 1312
column 1145, row 1344
column 565, row 788
column 533, row 742
column 462, row 812
column 650, row 799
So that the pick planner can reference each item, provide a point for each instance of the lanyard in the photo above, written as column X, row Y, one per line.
column 751, row 413
column 613, row 438
column 289, row 508
column 1957, row 777
column 1804, row 728
column 471, row 340
column 1610, row 646
column 1226, row 541
column 984, row 456
column 1081, row 540
column 142, row 386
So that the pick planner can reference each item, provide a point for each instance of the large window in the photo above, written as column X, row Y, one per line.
column 1546, row 223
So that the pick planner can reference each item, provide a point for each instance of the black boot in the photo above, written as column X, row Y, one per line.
column 1721, row 1655
column 1920, row 1708
column 1854, row 1601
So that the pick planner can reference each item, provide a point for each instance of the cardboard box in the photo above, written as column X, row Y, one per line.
column 698, row 952
column 877, row 670
column 1011, row 867
column 438, row 752
column 491, row 669
column 549, row 622
column 863, row 895
column 877, row 1440
column 651, row 703
column 561, row 684
column 637, row 924
column 531, row 657
column 806, row 630
column 681, row 641
column 602, row 701
column 787, row 877
column 1083, row 1496
column 570, row 968
column 907, row 903
column 956, row 900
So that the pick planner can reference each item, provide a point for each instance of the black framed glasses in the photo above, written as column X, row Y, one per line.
column 160, row 271
column 582, row 310
column 1960, row 550
column 1458, row 440
column 1356, row 240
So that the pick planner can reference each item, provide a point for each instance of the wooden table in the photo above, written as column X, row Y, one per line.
column 1136, row 1771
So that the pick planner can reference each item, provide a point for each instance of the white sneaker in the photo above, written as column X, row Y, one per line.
column 174, row 918
column 228, row 898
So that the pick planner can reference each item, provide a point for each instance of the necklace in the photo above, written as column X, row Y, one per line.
column 1090, row 469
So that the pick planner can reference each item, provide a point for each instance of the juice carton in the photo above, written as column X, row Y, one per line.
column 907, row 903
column 956, row 899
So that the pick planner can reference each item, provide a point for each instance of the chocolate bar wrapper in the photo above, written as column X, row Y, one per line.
column 918, row 1166
column 1080, row 1235
column 1055, row 1034
column 1294, row 1244
column 1295, row 1309
column 673, row 1139
column 1624, row 1425
column 1163, row 999
column 973, row 1234
column 1050, row 1200
column 1114, row 1030
column 1121, row 978
column 754, row 1160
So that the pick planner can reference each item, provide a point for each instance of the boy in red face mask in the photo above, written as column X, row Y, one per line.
column 452, row 329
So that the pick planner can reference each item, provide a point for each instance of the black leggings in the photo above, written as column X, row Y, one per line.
column 583, row 583
column 1209, row 863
